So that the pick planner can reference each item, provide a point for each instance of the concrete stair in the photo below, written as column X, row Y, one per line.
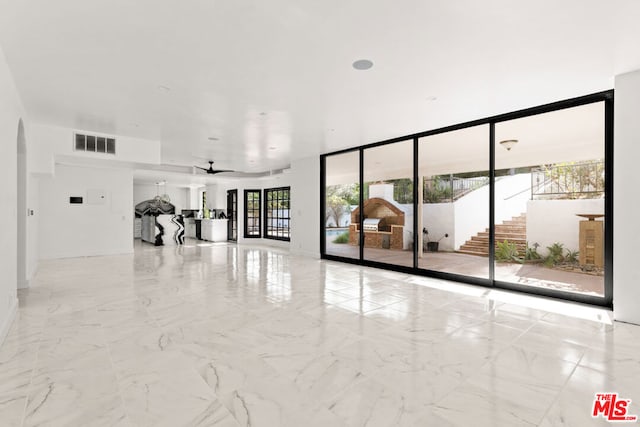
column 513, row 231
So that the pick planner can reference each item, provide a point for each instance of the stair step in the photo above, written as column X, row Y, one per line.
column 501, row 235
column 513, row 231
column 518, row 221
column 484, row 249
column 485, row 240
column 511, row 227
column 461, row 251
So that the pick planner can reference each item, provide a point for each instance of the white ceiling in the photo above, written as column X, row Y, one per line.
column 569, row 135
column 273, row 80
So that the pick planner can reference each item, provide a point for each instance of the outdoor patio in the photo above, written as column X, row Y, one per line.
column 534, row 275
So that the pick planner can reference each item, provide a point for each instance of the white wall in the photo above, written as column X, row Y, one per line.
column 194, row 198
column 512, row 194
column 217, row 196
column 49, row 141
column 551, row 221
column 439, row 219
column 87, row 229
column 471, row 215
column 11, row 112
column 33, row 238
column 626, row 232
column 305, row 206
column 179, row 195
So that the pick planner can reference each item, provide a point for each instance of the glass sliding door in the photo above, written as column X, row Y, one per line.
column 342, row 195
column 517, row 201
column 453, row 202
column 549, row 200
column 388, row 203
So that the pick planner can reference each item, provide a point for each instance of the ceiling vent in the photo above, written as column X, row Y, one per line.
column 94, row 143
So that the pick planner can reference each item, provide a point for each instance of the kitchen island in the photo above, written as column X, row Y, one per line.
column 213, row 230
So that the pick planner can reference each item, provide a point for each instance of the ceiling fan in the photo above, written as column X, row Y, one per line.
column 213, row 171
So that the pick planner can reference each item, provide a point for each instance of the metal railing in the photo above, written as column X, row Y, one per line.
column 449, row 189
column 568, row 181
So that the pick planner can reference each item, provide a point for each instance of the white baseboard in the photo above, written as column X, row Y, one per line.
column 308, row 254
column 8, row 320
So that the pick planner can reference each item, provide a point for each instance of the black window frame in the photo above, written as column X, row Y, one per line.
column 272, row 222
column 256, row 210
column 232, row 215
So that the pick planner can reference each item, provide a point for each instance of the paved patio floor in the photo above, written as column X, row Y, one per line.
column 534, row 275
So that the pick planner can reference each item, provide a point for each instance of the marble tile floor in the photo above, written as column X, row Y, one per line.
column 227, row 335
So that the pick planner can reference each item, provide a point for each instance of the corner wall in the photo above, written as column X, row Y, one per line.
column 305, row 204
column 626, row 181
column 11, row 112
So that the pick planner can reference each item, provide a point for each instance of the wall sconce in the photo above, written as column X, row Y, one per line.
column 508, row 143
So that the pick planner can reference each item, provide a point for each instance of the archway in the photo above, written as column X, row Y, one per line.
column 21, row 241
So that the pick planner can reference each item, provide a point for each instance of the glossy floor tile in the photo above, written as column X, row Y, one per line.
column 227, row 335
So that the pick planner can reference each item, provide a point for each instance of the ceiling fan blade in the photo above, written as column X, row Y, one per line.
column 214, row 171
column 204, row 169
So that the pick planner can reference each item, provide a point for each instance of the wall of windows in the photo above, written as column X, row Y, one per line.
column 277, row 214
column 519, row 201
column 252, row 211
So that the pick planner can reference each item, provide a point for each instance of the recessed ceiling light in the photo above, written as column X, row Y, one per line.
column 362, row 64
column 213, row 138
column 272, row 148
column 164, row 88
column 263, row 113
column 252, row 161
column 431, row 98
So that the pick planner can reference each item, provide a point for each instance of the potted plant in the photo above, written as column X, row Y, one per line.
column 431, row 245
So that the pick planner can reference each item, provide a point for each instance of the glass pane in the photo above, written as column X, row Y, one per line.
column 252, row 201
column 549, row 205
column 102, row 145
column 80, row 141
column 453, row 202
column 91, row 143
column 342, row 195
column 388, row 207
column 111, row 146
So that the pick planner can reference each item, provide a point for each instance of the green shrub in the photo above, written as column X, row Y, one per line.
column 507, row 252
column 555, row 256
column 531, row 252
column 572, row 256
column 342, row 238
